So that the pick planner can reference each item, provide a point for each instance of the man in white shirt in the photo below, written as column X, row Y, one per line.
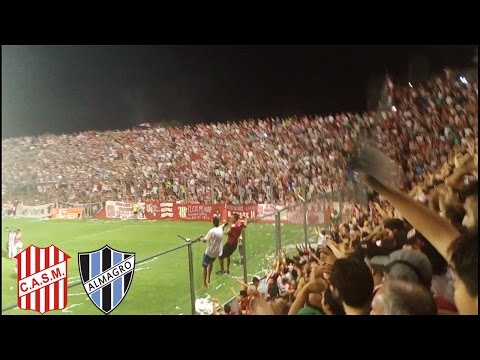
column 214, row 248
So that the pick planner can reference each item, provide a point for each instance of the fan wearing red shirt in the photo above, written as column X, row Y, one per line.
column 232, row 242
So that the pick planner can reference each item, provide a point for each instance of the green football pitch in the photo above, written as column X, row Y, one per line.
column 160, row 285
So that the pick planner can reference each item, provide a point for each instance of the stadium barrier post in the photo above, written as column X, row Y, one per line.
column 211, row 188
column 243, row 254
column 278, row 232
column 190, row 269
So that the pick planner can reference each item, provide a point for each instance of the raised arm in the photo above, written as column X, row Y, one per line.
column 437, row 230
column 454, row 179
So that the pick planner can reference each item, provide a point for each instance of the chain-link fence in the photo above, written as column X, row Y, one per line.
column 285, row 227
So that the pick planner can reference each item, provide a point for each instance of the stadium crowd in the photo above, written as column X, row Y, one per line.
column 254, row 161
column 400, row 256
column 412, row 250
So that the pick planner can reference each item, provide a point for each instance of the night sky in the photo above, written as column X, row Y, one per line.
column 65, row 89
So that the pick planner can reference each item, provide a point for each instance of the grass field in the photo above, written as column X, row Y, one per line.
column 160, row 285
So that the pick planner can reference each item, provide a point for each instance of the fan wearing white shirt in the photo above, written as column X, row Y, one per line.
column 214, row 249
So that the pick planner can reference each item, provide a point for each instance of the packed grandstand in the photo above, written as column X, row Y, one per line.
column 409, row 249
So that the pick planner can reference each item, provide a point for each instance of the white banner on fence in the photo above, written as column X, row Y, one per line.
column 266, row 212
column 38, row 211
column 123, row 210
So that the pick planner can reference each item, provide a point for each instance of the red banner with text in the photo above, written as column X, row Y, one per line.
column 156, row 210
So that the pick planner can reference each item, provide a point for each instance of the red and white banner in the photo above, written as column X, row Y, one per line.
column 42, row 279
column 197, row 211
column 156, row 210
column 123, row 210
column 248, row 211
column 69, row 213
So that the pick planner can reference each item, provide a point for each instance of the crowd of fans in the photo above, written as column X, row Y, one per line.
column 399, row 256
column 253, row 161
column 414, row 249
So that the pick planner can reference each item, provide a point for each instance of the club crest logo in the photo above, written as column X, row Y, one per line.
column 42, row 279
column 106, row 275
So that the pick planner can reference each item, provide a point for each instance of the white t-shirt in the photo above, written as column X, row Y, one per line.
column 214, row 242
column 322, row 240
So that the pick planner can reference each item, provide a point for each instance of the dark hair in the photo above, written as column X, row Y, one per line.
column 358, row 254
column 255, row 279
column 216, row 221
column 455, row 214
column 227, row 308
column 236, row 216
column 393, row 224
column 353, row 280
column 294, row 274
column 243, row 293
column 464, row 259
column 467, row 191
column 374, row 250
column 439, row 264
column 335, row 305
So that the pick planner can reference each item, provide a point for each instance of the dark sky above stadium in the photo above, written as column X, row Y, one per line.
column 65, row 89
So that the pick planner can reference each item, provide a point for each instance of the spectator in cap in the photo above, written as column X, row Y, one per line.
column 407, row 265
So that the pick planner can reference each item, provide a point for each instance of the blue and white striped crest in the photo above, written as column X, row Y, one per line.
column 106, row 276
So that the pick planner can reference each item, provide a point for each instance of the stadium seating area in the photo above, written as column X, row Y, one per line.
column 265, row 159
column 398, row 256
column 402, row 260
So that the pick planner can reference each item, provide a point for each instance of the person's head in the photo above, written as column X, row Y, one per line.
column 236, row 217
column 255, row 281
column 393, row 224
column 294, row 275
column 279, row 307
column 464, row 261
column 469, row 197
column 216, row 221
column 406, row 265
column 323, row 232
column 392, row 231
column 227, row 308
column 397, row 297
column 439, row 264
column 455, row 214
column 315, row 300
column 330, row 304
column 352, row 282
column 243, row 293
